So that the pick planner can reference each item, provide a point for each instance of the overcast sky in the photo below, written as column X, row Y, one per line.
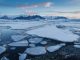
column 42, row 7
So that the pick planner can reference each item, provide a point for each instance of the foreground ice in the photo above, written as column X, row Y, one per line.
column 22, row 56
column 36, row 50
column 20, row 43
column 35, row 40
column 17, row 37
column 4, row 58
column 77, row 46
column 32, row 45
column 55, row 47
column 2, row 49
column 51, row 31
column 43, row 42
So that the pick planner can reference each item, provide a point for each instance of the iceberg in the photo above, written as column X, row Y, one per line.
column 18, row 44
column 35, row 40
column 17, row 37
column 55, row 47
column 36, row 50
column 52, row 32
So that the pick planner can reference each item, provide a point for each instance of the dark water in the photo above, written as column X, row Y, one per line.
column 6, row 39
column 14, row 54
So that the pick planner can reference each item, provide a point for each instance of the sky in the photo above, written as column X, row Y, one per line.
column 69, row 8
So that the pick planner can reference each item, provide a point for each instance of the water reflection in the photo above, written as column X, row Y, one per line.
column 6, row 36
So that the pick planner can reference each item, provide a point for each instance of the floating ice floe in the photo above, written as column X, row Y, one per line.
column 43, row 42
column 32, row 45
column 36, row 51
column 77, row 46
column 35, row 40
column 76, row 43
column 2, row 49
column 20, row 43
column 4, row 58
column 51, row 31
column 55, row 47
column 22, row 56
column 5, row 45
column 17, row 37
column 13, row 48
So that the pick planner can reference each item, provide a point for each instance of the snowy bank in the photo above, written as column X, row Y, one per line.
column 53, row 32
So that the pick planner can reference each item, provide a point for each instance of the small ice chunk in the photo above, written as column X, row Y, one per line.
column 4, row 58
column 22, row 56
column 35, row 40
column 36, row 50
column 55, row 47
column 17, row 37
column 77, row 43
column 2, row 49
column 4, row 45
column 77, row 46
column 13, row 48
column 20, row 43
column 43, row 42
column 32, row 45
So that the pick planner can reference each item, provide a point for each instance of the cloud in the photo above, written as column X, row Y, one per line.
column 77, row 2
column 45, row 4
column 74, row 14
column 31, row 12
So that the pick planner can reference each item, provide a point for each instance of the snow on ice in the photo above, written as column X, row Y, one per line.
column 43, row 42
column 22, row 25
column 77, row 46
column 55, row 47
column 22, row 56
column 17, row 37
column 20, row 43
column 35, row 40
column 36, row 50
column 51, row 31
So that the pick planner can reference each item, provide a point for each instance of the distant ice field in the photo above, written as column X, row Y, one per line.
column 45, row 26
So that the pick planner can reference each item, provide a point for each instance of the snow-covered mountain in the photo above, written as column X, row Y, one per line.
column 5, row 17
column 22, row 17
column 60, row 17
column 29, row 17
column 55, row 17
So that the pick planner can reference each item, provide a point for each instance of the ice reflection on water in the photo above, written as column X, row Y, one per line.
column 5, row 36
